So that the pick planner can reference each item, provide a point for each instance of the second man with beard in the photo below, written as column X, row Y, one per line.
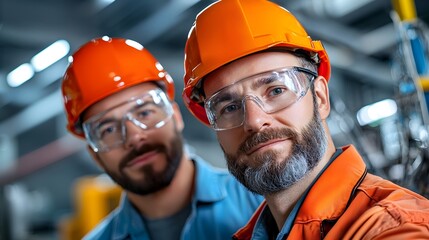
column 120, row 100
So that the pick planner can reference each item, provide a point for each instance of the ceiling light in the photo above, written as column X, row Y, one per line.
column 50, row 55
column 103, row 3
column 376, row 111
column 20, row 75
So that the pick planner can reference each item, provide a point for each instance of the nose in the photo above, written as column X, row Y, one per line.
column 135, row 136
column 255, row 118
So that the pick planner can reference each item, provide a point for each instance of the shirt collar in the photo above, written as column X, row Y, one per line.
column 210, row 184
column 129, row 220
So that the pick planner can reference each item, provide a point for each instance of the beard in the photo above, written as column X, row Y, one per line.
column 267, row 175
column 153, row 180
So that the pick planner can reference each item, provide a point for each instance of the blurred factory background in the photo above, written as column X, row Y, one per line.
column 378, row 92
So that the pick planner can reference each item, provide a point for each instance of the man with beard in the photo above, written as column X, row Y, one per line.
column 121, row 101
column 254, row 75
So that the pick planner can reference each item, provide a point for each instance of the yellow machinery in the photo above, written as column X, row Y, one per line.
column 406, row 11
column 95, row 198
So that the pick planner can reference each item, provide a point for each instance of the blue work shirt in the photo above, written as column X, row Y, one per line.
column 220, row 206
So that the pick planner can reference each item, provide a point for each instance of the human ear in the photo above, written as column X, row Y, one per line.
column 177, row 115
column 321, row 91
column 95, row 157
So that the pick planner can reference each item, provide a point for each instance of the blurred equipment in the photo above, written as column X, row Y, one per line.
column 346, row 130
column 411, row 70
column 95, row 198
column 18, row 214
column 8, row 153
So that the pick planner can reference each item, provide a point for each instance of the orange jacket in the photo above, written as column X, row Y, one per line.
column 346, row 202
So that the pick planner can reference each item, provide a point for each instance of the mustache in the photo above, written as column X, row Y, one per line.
column 138, row 152
column 265, row 136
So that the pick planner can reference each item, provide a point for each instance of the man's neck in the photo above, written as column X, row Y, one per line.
column 282, row 203
column 171, row 199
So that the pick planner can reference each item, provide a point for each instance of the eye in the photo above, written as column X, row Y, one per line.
column 275, row 91
column 145, row 111
column 107, row 129
column 230, row 108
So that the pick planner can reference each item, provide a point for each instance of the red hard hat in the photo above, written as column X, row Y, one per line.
column 102, row 67
column 230, row 29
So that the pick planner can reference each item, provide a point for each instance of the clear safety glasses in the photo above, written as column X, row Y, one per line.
column 107, row 129
column 272, row 91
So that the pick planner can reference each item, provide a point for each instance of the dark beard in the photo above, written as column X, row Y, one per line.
column 153, row 181
column 267, row 175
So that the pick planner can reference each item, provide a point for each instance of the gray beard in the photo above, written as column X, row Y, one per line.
column 271, row 176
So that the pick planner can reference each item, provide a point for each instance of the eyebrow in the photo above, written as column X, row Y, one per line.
column 137, row 106
column 262, row 81
column 225, row 97
column 106, row 121
column 255, row 85
column 112, row 119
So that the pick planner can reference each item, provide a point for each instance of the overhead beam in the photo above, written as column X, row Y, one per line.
column 160, row 22
column 367, row 43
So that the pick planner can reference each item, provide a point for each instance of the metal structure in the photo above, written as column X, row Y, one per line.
column 411, row 70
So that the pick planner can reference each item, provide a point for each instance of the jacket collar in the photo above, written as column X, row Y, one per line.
column 344, row 175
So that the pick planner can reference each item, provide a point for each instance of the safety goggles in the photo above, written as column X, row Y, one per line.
column 272, row 91
column 106, row 130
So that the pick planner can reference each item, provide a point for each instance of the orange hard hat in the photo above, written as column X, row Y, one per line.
column 230, row 29
column 102, row 67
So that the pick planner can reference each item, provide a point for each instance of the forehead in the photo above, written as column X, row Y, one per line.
column 118, row 97
column 245, row 67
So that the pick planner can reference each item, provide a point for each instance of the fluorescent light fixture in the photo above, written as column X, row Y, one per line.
column 340, row 8
column 103, row 3
column 20, row 75
column 376, row 111
column 50, row 55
